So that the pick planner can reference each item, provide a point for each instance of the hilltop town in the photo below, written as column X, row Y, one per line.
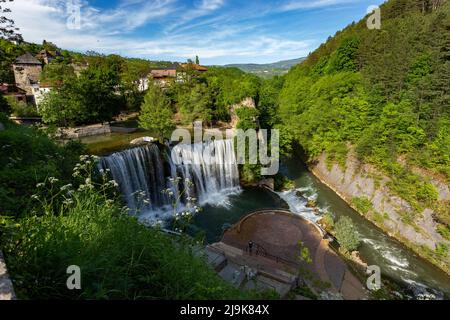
column 30, row 84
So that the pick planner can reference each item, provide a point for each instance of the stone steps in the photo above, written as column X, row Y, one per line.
column 268, row 273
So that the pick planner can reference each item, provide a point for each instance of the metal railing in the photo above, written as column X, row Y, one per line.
column 261, row 251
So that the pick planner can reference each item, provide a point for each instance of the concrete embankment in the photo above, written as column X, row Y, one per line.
column 363, row 181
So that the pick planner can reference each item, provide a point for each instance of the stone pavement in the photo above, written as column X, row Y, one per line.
column 275, row 262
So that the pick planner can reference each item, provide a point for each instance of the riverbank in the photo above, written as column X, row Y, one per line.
column 336, row 179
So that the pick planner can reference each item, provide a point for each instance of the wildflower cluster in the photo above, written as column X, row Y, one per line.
column 51, row 193
column 182, row 214
column 141, row 200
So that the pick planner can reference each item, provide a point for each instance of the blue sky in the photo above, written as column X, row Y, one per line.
column 219, row 31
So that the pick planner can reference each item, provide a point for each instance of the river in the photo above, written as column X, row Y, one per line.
column 396, row 261
column 224, row 203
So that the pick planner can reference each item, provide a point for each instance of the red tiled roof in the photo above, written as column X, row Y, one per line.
column 194, row 66
column 163, row 73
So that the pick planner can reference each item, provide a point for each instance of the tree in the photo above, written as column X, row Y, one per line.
column 248, row 118
column 156, row 113
column 346, row 234
column 7, row 27
column 94, row 96
column 4, row 106
column 196, row 104
column 197, row 60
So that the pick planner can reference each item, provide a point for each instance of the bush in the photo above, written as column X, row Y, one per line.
column 247, row 118
column 249, row 173
column 27, row 157
column 283, row 183
column 22, row 109
column 4, row 106
column 346, row 234
column 362, row 204
column 328, row 221
column 119, row 257
column 442, row 250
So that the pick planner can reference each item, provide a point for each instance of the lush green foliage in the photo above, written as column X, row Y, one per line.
column 208, row 96
column 27, row 157
column 248, row 118
column 4, row 105
column 195, row 103
column 346, row 234
column 22, row 109
column 362, row 204
column 156, row 113
column 91, row 97
column 79, row 221
column 383, row 93
column 119, row 258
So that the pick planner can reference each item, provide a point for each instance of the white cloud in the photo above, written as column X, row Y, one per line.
column 210, row 5
column 312, row 4
column 201, row 9
column 109, row 32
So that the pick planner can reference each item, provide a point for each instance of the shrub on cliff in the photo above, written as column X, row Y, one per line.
column 346, row 234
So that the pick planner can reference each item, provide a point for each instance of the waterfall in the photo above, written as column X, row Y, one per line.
column 142, row 173
column 211, row 166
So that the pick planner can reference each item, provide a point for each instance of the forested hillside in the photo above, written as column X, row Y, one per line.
column 384, row 93
column 267, row 70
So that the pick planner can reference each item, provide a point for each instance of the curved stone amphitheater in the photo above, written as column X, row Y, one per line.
column 274, row 261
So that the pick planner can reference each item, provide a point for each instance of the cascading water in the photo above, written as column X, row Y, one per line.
column 142, row 176
column 211, row 167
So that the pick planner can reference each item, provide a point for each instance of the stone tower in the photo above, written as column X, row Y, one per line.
column 27, row 71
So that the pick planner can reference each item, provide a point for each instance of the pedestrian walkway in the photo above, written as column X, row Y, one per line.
column 266, row 244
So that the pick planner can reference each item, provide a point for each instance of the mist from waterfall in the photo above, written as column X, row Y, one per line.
column 144, row 172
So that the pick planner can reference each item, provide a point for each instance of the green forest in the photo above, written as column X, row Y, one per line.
column 385, row 94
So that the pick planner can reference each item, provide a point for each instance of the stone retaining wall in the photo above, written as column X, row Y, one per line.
column 86, row 131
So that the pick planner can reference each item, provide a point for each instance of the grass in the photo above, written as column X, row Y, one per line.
column 362, row 204
column 75, row 219
column 119, row 258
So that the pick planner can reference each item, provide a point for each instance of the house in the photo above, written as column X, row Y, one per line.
column 39, row 92
column 27, row 71
column 164, row 76
column 188, row 69
column 143, row 83
column 13, row 92
column 46, row 57
column 193, row 67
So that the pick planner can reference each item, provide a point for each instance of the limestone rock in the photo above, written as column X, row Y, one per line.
column 142, row 140
column 268, row 183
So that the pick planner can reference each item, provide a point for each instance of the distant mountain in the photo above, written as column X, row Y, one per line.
column 269, row 69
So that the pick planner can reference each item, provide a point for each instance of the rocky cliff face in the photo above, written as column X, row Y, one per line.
column 247, row 102
column 357, row 181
